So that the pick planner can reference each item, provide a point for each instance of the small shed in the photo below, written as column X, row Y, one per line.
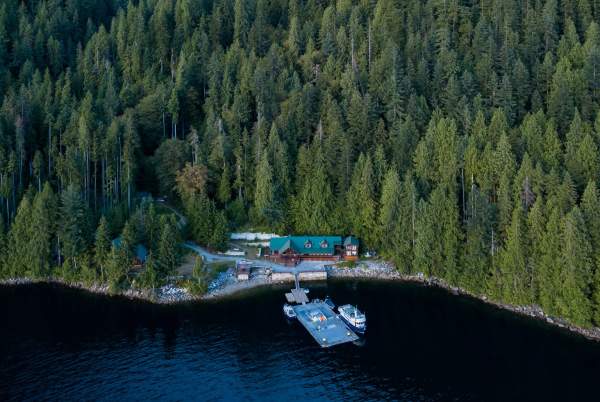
column 140, row 252
column 350, row 248
column 242, row 270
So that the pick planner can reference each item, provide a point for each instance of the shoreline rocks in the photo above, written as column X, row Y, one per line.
column 171, row 294
column 101, row 289
column 533, row 311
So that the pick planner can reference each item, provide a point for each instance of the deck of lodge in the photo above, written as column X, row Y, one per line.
column 326, row 327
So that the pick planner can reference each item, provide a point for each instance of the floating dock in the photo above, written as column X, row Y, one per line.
column 297, row 295
column 323, row 324
column 318, row 318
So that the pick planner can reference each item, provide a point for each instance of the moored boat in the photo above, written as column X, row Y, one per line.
column 354, row 318
column 289, row 311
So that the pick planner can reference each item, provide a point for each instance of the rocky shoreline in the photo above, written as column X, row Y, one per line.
column 97, row 288
column 535, row 312
column 171, row 294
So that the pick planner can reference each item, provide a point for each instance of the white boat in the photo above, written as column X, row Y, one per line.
column 289, row 311
column 353, row 317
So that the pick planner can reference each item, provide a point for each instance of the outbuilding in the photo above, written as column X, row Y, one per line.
column 351, row 248
column 242, row 270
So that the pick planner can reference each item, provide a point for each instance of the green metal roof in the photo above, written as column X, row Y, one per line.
column 287, row 244
column 323, row 245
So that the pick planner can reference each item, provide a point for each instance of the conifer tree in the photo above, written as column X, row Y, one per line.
column 263, row 195
column 128, row 240
column 513, row 260
column 360, row 203
column 475, row 256
column 312, row 207
column 427, row 253
column 3, row 251
column 150, row 277
column 590, row 209
column 117, row 267
column 389, row 220
column 406, row 229
column 576, row 270
column 224, row 189
column 200, row 275
column 549, row 266
column 219, row 235
column 168, row 253
column 43, row 222
column 19, row 256
column 74, row 225
column 102, row 246
column 536, row 227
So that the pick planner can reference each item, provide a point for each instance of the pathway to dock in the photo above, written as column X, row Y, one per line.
column 305, row 266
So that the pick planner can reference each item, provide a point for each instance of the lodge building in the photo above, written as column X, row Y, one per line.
column 291, row 250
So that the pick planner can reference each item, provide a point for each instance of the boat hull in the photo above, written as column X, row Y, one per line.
column 359, row 331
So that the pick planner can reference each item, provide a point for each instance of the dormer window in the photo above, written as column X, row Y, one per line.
column 324, row 244
column 308, row 244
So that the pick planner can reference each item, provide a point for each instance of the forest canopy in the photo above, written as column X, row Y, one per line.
column 458, row 138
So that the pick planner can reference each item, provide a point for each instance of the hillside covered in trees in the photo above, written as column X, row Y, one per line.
column 459, row 138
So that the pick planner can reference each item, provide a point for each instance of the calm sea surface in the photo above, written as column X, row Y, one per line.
column 422, row 345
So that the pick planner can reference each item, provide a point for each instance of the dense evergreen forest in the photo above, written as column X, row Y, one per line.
column 459, row 138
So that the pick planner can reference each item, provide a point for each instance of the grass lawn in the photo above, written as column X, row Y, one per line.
column 214, row 268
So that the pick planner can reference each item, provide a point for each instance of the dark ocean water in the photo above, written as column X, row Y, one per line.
column 422, row 344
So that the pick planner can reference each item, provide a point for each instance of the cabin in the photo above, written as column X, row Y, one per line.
column 140, row 253
column 291, row 250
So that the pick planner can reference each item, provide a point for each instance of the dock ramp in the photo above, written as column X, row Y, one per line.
column 297, row 295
